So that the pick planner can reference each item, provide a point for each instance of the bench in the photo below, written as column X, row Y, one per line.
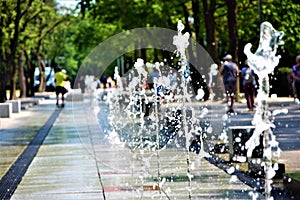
column 16, row 105
column 30, row 102
column 237, row 137
column 216, row 146
column 34, row 101
column 5, row 110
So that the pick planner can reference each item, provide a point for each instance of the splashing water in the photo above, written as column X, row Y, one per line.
column 152, row 121
column 181, row 42
column 263, row 62
column 157, row 124
column 174, row 125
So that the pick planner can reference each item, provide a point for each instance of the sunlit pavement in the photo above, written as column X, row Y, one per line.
column 75, row 160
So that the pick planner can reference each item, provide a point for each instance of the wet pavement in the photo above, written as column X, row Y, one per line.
column 77, row 161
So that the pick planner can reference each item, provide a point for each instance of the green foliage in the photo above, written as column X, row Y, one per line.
column 284, row 70
column 295, row 175
column 284, row 15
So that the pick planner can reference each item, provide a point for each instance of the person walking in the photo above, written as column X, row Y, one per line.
column 295, row 73
column 213, row 72
column 229, row 71
column 60, row 79
column 249, row 85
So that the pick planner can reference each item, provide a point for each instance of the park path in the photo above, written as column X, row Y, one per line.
column 76, row 162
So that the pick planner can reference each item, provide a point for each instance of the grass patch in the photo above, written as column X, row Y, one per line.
column 295, row 175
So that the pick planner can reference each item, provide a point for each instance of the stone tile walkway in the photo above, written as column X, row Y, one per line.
column 76, row 161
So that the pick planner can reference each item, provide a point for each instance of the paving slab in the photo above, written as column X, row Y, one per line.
column 131, row 171
column 63, row 168
column 77, row 161
column 17, row 132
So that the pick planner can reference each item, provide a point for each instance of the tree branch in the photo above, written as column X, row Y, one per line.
column 51, row 28
column 26, row 9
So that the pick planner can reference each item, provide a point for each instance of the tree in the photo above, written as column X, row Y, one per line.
column 232, row 28
column 25, row 25
column 284, row 16
column 35, row 30
column 233, row 37
column 4, row 18
column 13, row 12
column 210, row 27
column 197, row 21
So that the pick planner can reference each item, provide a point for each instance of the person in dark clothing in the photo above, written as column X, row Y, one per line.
column 154, row 74
column 249, row 85
column 81, row 84
column 296, row 76
column 103, row 80
column 229, row 72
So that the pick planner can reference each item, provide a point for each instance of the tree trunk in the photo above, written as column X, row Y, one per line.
column 3, row 75
column 232, row 28
column 13, row 49
column 137, row 50
column 12, row 74
column 233, row 37
column 22, row 80
column 13, row 84
column 29, row 75
column 3, row 79
column 210, row 26
column 196, row 16
column 189, row 30
column 41, row 67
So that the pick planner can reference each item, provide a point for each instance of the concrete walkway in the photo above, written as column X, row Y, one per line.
column 76, row 160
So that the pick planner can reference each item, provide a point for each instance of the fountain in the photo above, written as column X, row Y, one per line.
column 263, row 63
column 174, row 124
column 147, row 132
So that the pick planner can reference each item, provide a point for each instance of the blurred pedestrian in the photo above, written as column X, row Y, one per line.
column 154, row 74
column 296, row 76
column 213, row 72
column 249, row 85
column 60, row 79
column 81, row 84
column 109, row 82
column 229, row 71
column 292, row 88
column 103, row 81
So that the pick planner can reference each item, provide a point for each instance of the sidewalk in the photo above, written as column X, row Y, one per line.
column 64, row 167
column 16, row 132
column 77, row 162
